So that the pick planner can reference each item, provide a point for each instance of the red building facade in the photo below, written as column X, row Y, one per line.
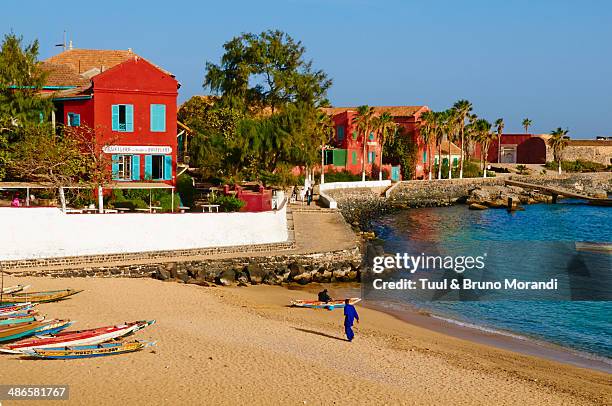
column 518, row 149
column 128, row 101
column 348, row 143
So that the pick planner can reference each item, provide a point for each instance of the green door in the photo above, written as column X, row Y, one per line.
column 395, row 173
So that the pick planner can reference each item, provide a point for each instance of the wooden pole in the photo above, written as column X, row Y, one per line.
column 172, row 199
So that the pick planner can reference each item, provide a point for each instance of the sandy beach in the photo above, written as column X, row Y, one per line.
column 232, row 346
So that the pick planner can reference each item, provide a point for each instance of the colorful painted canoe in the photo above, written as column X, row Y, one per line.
column 88, row 351
column 316, row 304
column 54, row 327
column 14, row 289
column 20, row 319
column 16, row 309
column 72, row 338
column 40, row 297
column 13, row 332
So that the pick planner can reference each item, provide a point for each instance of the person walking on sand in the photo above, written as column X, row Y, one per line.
column 350, row 314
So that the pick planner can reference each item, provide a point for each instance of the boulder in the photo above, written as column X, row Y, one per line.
column 162, row 274
column 227, row 277
column 256, row 273
column 303, row 278
column 477, row 206
column 295, row 269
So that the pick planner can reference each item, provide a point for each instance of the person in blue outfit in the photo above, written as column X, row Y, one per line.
column 350, row 315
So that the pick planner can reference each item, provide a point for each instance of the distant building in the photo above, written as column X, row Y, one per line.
column 599, row 151
column 131, row 101
column 348, row 143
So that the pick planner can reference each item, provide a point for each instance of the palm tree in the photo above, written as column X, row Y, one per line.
column 324, row 128
column 485, row 137
column 364, row 121
column 439, row 118
column 526, row 124
column 427, row 131
column 450, row 129
column 463, row 109
column 558, row 141
column 499, row 123
column 384, row 125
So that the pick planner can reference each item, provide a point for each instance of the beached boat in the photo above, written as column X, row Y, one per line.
column 9, row 310
column 40, row 297
column 20, row 319
column 88, row 351
column 316, row 304
column 13, row 332
column 83, row 337
column 14, row 289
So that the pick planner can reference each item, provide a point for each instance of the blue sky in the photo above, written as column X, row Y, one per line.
column 550, row 61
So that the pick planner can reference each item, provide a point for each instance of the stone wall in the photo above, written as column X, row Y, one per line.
column 587, row 150
column 341, row 266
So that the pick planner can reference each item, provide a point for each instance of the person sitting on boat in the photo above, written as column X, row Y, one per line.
column 324, row 297
column 350, row 315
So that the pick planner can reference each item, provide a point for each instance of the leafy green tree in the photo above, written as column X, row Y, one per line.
column 21, row 79
column 450, row 125
column 558, row 141
column 402, row 149
column 266, row 71
column 485, row 136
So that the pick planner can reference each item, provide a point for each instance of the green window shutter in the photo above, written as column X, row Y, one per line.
column 371, row 137
column 455, row 161
column 354, row 157
column 340, row 132
column 158, row 117
column 167, row 167
column 371, row 157
column 135, row 167
column 129, row 118
column 424, row 156
column 148, row 167
column 115, row 112
column 355, row 135
column 339, row 157
column 115, row 166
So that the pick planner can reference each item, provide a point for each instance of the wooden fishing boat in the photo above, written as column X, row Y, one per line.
column 71, row 338
column 40, row 297
column 9, row 310
column 13, row 332
column 20, row 319
column 14, row 289
column 88, row 351
column 316, row 304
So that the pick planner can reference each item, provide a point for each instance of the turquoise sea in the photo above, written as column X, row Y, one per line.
column 534, row 244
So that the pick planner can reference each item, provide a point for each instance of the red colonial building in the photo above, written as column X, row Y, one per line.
column 129, row 102
column 517, row 149
column 347, row 153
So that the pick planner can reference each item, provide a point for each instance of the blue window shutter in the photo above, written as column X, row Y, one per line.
column 135, row 167
column 424, row 157
column 158, row 117
column 77, row 120
column 148, row 167
column 115, row 126
column 115, row 168
column 167, row 167
column 129, row 118
column 41, row 116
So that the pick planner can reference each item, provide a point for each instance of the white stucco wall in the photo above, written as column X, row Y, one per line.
column 27, row 233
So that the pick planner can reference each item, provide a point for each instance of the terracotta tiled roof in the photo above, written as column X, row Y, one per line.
column 62, row 75
column 84, row 60
column 395, row 111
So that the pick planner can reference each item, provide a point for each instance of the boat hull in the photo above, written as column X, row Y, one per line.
column 316, row 304
column 88, row 351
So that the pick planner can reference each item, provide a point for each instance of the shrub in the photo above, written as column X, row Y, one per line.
column 227, row 203
column 186, row 190
column 579, row 165
column 522, row 169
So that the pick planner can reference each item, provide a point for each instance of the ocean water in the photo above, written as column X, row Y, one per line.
column 534, row 244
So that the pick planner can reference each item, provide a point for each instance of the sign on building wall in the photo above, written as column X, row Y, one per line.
column 137, row 149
